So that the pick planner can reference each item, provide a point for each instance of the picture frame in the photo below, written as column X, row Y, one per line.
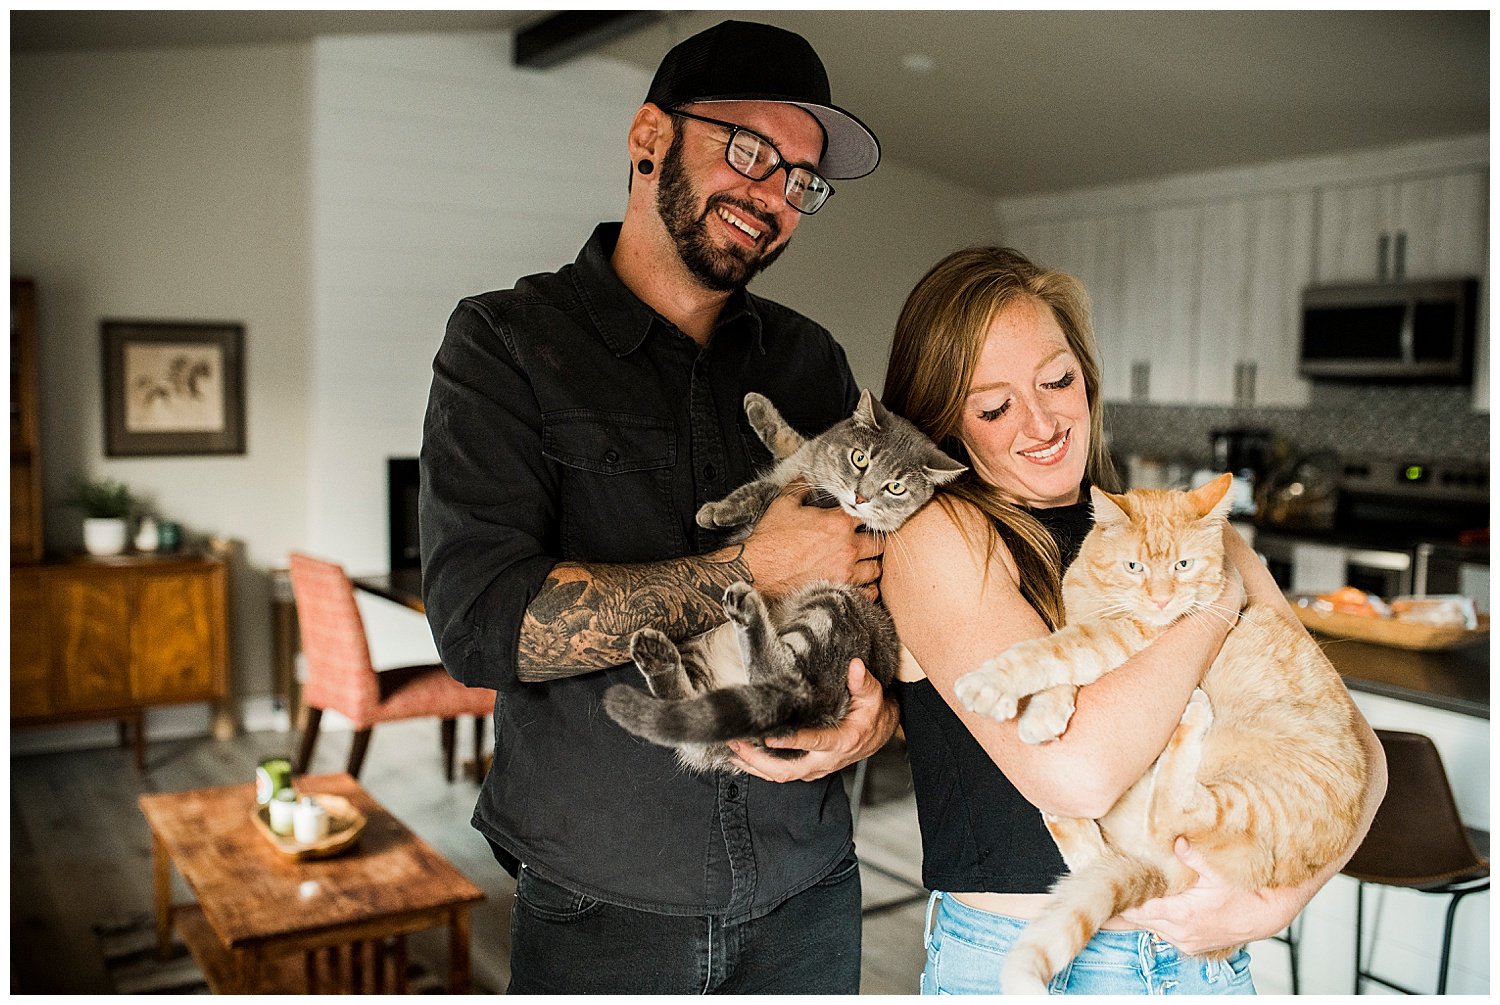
column 173, row 388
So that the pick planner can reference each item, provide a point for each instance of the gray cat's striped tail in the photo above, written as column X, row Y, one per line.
column 1080, row 905
column 730, row 713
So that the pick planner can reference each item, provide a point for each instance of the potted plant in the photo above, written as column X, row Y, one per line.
column 107, row 505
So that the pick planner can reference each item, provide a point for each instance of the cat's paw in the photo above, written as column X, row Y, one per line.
column 1047, row 715
column 986, row 692
column 1199, row 713
column 737, row 602
column 759, row 410
column 652, row 651
column 710, row 515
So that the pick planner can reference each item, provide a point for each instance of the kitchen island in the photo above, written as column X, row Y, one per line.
column 1454, row 680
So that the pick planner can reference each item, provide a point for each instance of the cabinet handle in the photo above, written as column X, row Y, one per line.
column 1382, row 263
column 1244, row 384
column 1140, row 381
column 1400, row 268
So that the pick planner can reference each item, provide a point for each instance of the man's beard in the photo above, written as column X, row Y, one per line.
column 718, row 268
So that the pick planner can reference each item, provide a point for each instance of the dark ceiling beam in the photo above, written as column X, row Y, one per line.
column 570, row 33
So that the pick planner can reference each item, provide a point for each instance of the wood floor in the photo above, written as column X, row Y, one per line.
column 81, row 853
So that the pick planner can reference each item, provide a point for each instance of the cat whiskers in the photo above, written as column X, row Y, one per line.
column 888, row 538
column 1223, row 612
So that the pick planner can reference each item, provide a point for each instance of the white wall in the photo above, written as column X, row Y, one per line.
column 851, row 266
column 171, row 185
column 438, row 171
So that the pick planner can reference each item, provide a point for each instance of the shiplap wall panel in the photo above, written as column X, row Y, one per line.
column 438, row 171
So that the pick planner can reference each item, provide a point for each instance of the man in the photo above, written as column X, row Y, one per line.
column 576, row 423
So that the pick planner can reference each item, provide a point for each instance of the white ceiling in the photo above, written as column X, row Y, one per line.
column 1018, row 102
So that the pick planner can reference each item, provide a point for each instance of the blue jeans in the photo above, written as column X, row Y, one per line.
column 565, row 943
column 966, row 948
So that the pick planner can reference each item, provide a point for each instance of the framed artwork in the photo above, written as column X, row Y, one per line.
column 173, row 388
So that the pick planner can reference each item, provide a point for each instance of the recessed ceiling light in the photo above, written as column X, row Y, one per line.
column 916, row 62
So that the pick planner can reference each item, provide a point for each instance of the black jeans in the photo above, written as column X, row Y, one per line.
column 565, row 943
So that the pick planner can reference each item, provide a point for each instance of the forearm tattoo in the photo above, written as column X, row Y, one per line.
column 584, row 616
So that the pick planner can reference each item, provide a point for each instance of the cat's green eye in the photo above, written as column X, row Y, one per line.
column 859, row 458
column 896, row 488
column 1134, row 566
column 1185, row 563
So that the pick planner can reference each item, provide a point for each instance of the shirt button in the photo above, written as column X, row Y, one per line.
column 733, row 792
column 710, row 472
column 610, row 457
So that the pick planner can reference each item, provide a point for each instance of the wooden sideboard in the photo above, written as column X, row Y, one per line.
column 107, row 638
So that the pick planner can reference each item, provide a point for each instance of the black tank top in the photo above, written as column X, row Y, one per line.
column 979, row 835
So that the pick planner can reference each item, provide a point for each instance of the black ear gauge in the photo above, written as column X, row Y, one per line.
column 645, row 166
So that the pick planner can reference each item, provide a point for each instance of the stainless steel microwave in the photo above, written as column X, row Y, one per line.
column 1420, row 331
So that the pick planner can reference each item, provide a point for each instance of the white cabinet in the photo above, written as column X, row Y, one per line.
column 1160, row 304
column 1196, row 281
column 1257, row 257
column 1099, row 250
column 1413, row 228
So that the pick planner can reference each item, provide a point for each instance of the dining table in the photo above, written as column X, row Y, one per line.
column 400, row 586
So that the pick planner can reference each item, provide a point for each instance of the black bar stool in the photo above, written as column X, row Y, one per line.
column 1418, row 842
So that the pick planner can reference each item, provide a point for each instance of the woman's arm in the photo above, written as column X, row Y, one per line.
column 954, row 610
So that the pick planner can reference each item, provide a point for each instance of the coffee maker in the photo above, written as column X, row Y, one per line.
column 1246, row 454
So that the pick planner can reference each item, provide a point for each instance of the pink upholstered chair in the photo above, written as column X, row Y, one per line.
column 340, row 675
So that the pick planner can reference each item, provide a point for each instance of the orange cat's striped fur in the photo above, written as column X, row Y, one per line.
column 1265, row 775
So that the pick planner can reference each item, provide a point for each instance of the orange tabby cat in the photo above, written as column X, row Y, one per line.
column 1265, row 775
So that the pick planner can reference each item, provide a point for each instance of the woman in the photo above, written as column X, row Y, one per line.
column 994, row 359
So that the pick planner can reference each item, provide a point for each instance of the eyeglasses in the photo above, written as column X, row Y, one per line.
column 757, row 158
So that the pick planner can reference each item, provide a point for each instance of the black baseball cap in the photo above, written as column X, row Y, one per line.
column 745, row 61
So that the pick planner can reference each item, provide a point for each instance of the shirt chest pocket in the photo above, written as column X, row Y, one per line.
column 617, row 474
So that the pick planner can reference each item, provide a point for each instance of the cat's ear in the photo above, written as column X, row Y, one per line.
column 867, row 412
column 942, row 469
column 1109, row 509
column 1211, row 499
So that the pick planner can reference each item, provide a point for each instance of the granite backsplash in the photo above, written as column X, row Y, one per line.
column 1434, row 423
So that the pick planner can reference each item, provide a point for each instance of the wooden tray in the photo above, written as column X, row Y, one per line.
column 1390, row 631
column 344, row 824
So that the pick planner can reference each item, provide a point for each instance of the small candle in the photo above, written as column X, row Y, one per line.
column 310, row 821
column 282, row 808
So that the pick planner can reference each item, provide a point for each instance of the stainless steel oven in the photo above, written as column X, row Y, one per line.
column 1383, row 573
column 1322, row 563
column 1402, row 527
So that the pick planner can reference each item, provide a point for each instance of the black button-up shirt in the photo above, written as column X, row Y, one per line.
column 569, row 421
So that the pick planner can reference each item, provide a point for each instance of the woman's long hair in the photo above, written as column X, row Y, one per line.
column 936, row 348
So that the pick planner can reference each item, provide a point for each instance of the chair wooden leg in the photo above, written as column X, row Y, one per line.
column 450, row 740
column 1359, row 933
column 357, row 751
column 309, row 740
column 479, row 748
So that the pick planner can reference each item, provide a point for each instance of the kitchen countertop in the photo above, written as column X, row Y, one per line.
column 1456, row 680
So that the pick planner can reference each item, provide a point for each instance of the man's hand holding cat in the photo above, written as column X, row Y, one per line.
column 1212, row 914
column 871, row 720
column 794, row 544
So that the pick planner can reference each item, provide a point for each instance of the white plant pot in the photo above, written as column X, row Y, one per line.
column 104, row 535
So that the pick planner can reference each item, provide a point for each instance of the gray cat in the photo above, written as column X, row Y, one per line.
column 782, row 663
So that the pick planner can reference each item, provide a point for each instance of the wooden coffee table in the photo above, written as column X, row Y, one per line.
column 265, row 922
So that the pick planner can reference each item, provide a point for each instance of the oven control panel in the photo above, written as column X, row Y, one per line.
column 1416, row 478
